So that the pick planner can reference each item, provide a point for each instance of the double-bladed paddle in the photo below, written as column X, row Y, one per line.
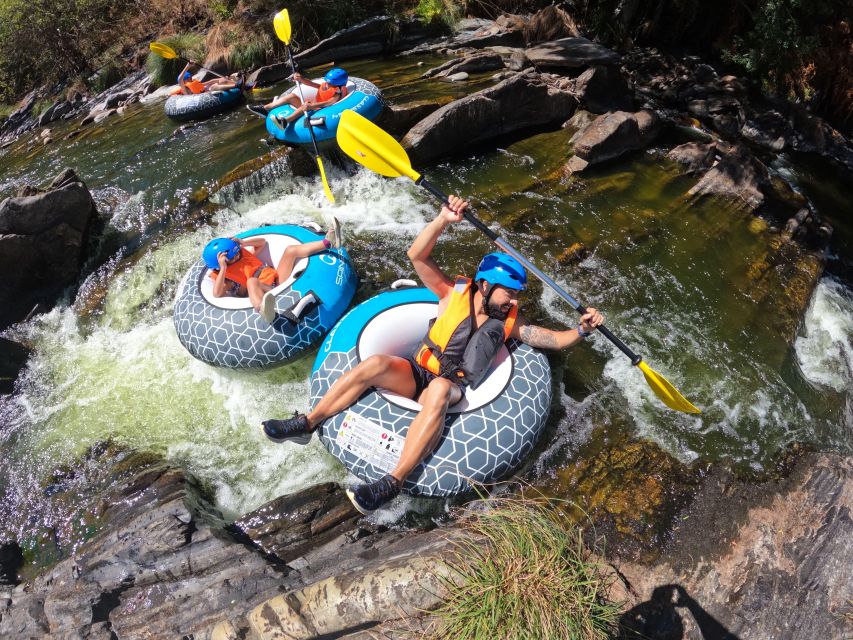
column 369, row 145
column 165, row 51
column 281, row 24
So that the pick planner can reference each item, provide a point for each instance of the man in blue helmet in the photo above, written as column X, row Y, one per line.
column 475, row 317
column 331, row 90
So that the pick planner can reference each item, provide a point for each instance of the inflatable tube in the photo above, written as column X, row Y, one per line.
column 201, row 105
column 363, row 97
column 228, row 332
column 486, row 435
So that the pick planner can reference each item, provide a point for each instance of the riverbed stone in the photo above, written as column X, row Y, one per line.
column 570, row 54
column 43, row 242
column 374, row 36
column 475, row 63
column 397, row 119
column 603, row 88
column 611, row 136
column 523, row 101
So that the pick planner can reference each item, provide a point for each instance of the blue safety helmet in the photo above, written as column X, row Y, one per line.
column 217, row 246
column 336, row 77
column 500, row 268
column 187, row 76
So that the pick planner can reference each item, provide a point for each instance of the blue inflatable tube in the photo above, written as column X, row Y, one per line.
column 363, row 97
column 486, row 436
column 228, row 332
column 199, row 106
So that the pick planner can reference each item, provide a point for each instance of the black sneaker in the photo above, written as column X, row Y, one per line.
column 369, row 497
column 257, row 109
column 293, row 429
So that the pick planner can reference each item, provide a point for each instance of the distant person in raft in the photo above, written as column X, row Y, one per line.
column 456, row 352
column 331, row 90
column 237, row 271
column 188, row 85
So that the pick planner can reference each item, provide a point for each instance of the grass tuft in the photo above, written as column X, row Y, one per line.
column 533, row 578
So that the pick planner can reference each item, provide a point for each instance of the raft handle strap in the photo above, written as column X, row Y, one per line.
column 318, row 122
column 295, row 313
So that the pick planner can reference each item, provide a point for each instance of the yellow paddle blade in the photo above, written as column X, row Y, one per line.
column 326, row 188
column 281, row 24
column 369, row 145
column 163, row 50
column 665, row 391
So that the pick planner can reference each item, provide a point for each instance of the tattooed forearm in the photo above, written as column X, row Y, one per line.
column 538, row 337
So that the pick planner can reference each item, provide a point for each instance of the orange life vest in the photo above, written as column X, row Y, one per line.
column 444, row 345
column 327, row 92
column 246, row 267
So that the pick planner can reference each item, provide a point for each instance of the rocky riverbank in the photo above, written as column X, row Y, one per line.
column 751, row 560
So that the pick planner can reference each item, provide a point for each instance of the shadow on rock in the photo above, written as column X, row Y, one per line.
column 659, row 619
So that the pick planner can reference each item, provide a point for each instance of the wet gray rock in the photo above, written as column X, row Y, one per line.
column 523, row 101
column 43, row 242
column 738, row 176
column 55, row 112
column 611, row 136
column 769, row 560
column 603, row 88
column 397, row 119
column 13, row 357
column 570, row 54
column 695, row 156
column 475, row 63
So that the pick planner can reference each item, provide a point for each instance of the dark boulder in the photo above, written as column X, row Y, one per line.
column 43, row 243
column 603, row 88
column 611, row 136
column 571, row 54
column 523, row 101
column 397, row 119
column 374, row 36
column 13, row 357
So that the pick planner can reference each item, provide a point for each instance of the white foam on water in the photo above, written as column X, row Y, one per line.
column 824, row 349
column 741, row 400
column 124, row 375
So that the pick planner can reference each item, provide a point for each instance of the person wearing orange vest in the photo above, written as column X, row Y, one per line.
column 187, row 84
column 237, row 270
column 331, row 90
column 473, row 316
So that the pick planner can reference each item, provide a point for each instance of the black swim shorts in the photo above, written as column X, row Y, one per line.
column 423, row 377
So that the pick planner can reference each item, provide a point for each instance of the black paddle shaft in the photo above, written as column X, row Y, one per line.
column 503, row 244
column 301, row 95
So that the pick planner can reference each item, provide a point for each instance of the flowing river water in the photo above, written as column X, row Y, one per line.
column 672, row 276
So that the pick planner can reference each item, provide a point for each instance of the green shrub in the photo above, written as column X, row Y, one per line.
column 249, row 55
column 165, row 71
column 447, row 11
column 108, row 75
column 533, row 578
column 781, row 44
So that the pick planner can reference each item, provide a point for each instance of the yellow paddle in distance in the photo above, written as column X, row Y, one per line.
column 281, row 24
column 165, row 51
column 369, row 145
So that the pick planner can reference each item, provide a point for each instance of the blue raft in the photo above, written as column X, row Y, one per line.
column 486, row 436
column 363, row 97
column 228, row 332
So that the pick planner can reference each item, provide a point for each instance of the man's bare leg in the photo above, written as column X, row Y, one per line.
column 388, row 372
column 425, row 430
column 256, row 292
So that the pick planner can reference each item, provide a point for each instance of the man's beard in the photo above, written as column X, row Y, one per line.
column 494, row 310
